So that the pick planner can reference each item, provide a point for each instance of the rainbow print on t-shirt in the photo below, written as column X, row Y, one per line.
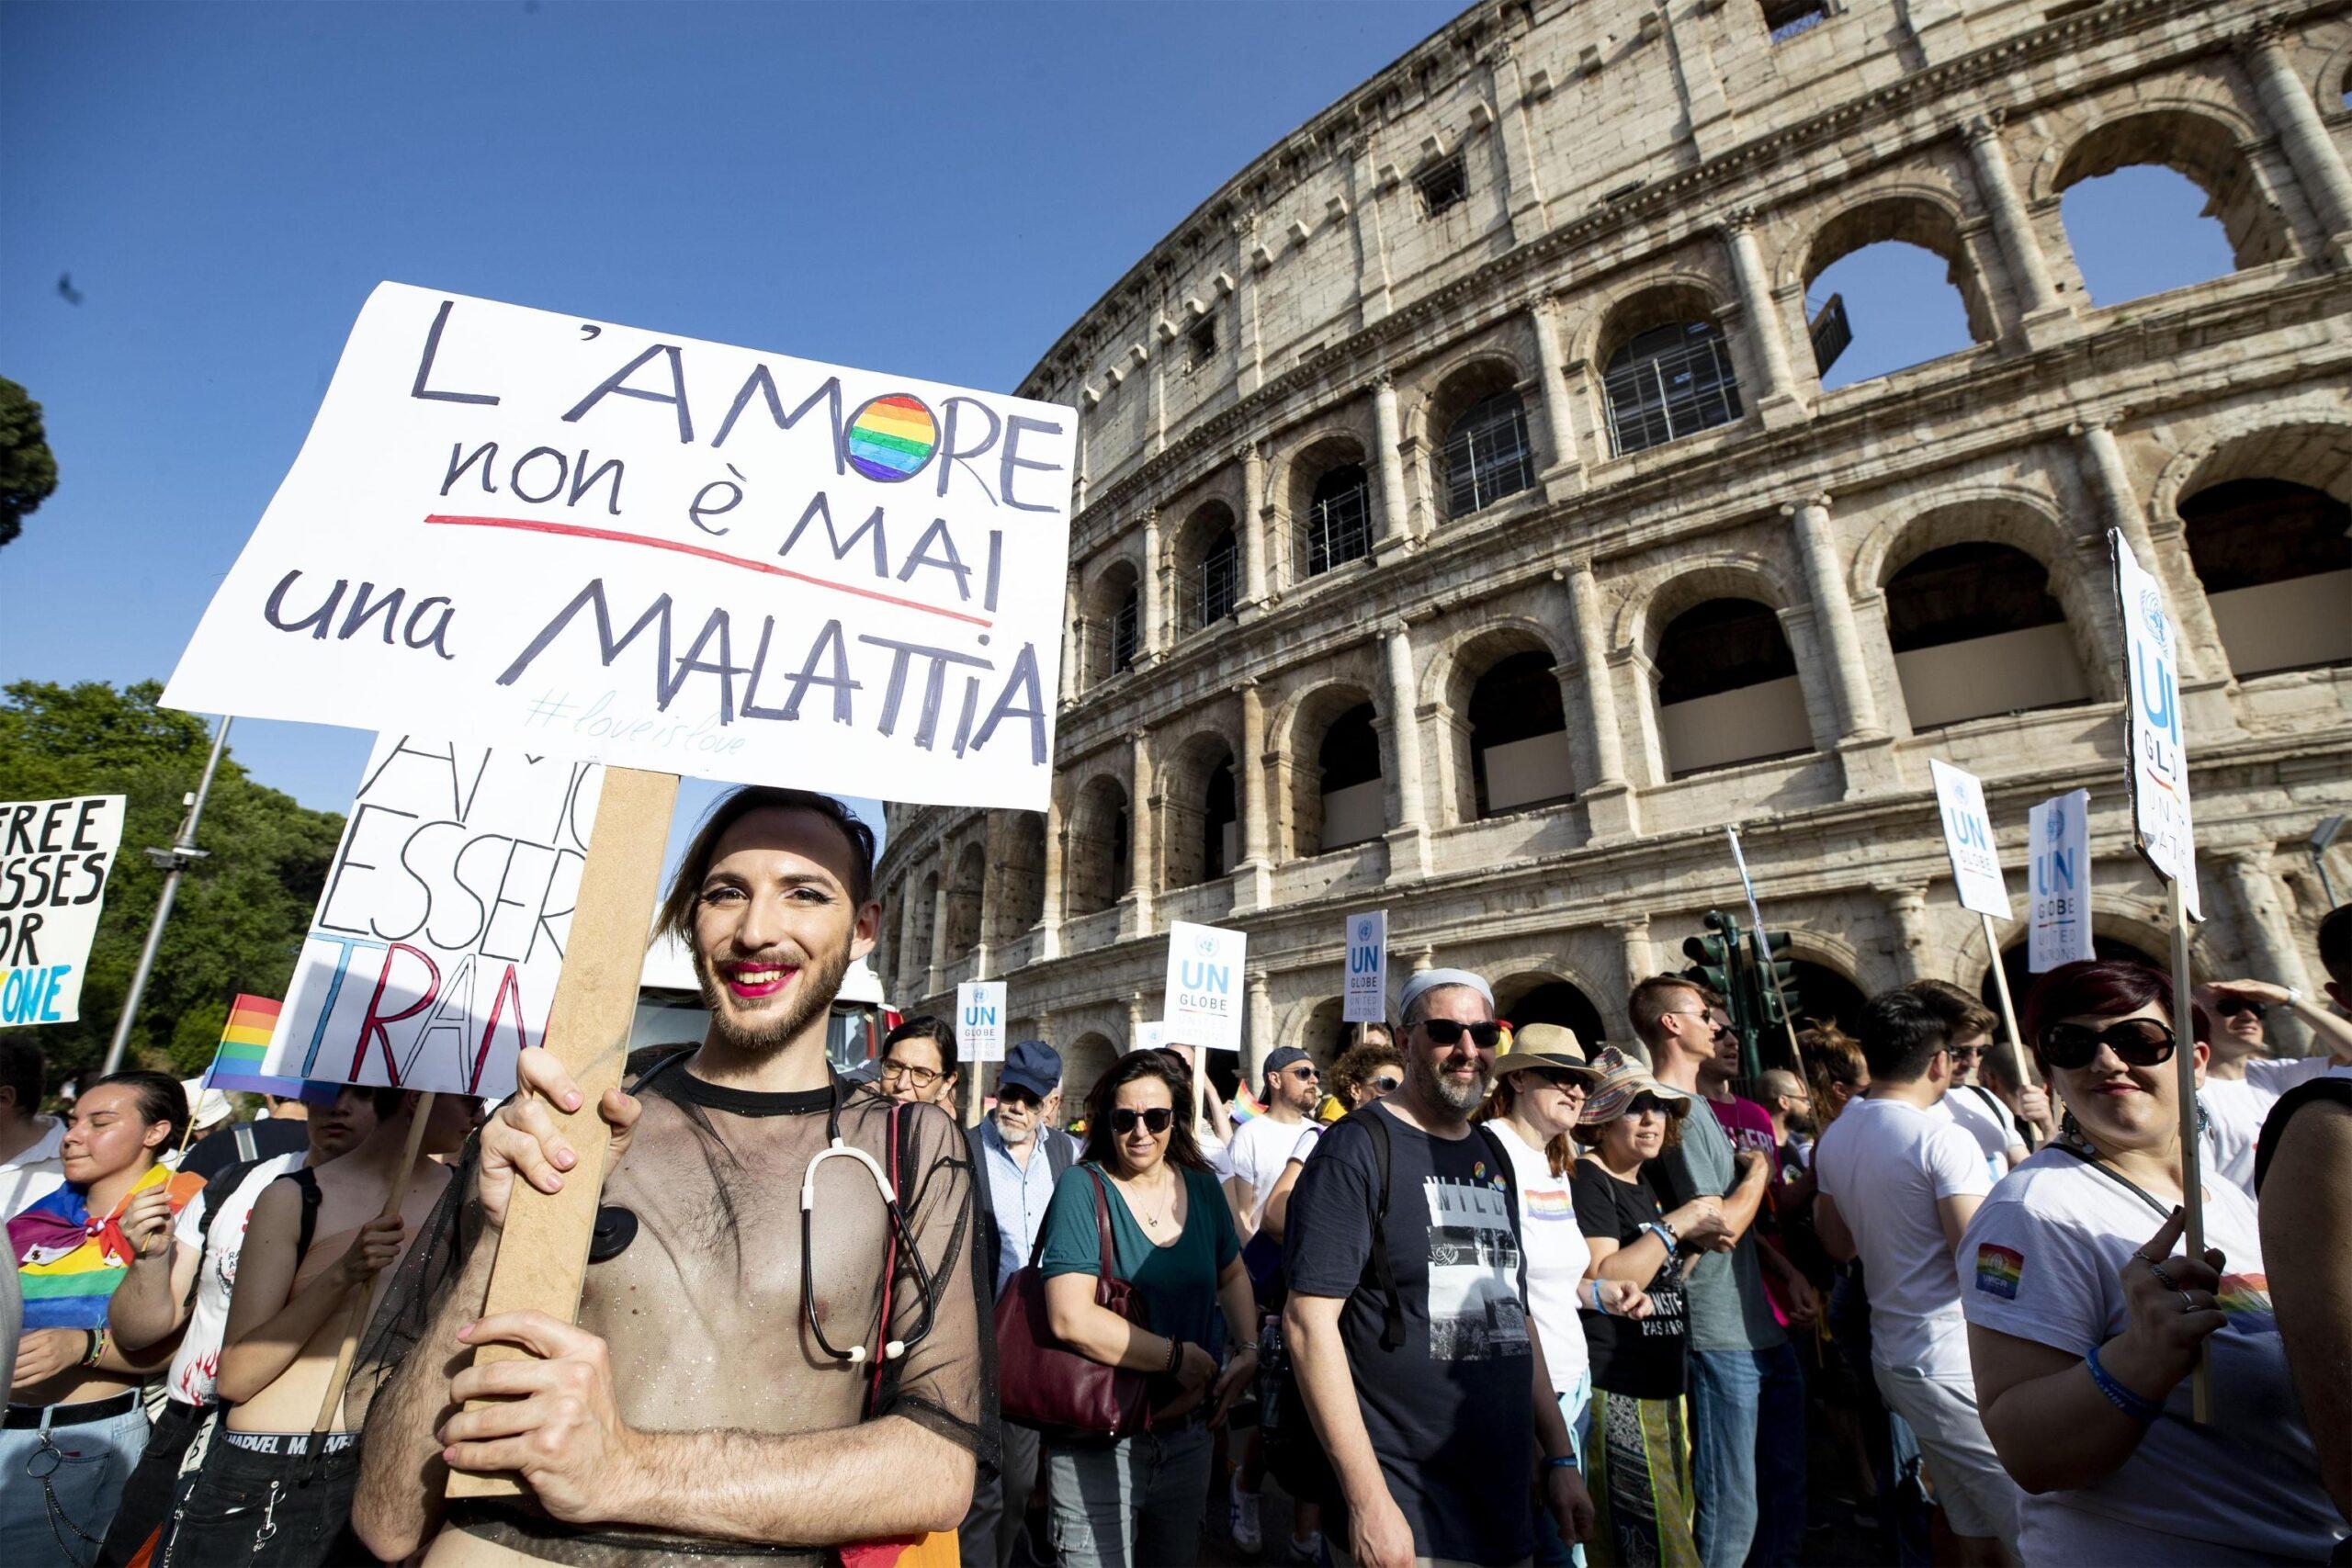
column 2244, row 1300
column 1998, row 1269
column 1548, row 1203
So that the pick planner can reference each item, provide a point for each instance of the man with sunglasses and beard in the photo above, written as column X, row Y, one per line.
column 1406, row 1318
column 2243, row 1081
column 777, row 1352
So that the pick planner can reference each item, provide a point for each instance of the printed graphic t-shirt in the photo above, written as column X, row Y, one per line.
column 2043, row 1261
column 1557, row 1256
column 1729, row 1310
column 1639, row 1357
column 197, row 1364
column 1450, row 1414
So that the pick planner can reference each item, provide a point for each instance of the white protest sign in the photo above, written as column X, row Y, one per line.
column 1149, row 1036
column 1968, row 840
column 2151, row 725
column 433, row 955
column 980, row 1020
column 55, row 857
column 1203, row 1004
column 1365, row 1001
column 569, row 537
column 2059, row 877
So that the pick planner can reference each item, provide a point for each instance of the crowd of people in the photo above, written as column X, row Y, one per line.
column 1478, row 1295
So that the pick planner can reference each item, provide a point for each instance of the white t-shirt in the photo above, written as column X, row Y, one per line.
column 34, row 1174
column 197, row 1364
column 1887, row 1165
column 2043, row 1261
column 1307, row 1136
column 1261, row 1147
column 1983, row 1118
column 2235, row 1109
column 1553, row 1247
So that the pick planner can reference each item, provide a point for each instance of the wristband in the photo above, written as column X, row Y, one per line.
column 97, row 1346
column 1175, row 1354
column 2132, row 1402
column 1561, row 1462
column 2294, row 997
column 1664, row 1234
column 1597, row 1303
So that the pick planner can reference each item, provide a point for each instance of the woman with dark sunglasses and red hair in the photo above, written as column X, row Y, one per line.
column 2085, row 1317
column 1138, row 1499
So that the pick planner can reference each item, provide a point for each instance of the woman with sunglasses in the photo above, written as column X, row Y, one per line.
column 1638, row 1459
column 2085, row 1318
column 75, row 1427
column 1138, row 1499
column 1541, row 1080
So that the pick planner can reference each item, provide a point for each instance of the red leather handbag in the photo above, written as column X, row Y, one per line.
column 1041, row 1381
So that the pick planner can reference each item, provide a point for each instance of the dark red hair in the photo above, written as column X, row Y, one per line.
column 2100, row 988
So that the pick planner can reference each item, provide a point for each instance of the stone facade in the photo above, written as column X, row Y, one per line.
column 1464, row 530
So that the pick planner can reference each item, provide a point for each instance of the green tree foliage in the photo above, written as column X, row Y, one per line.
column 28, row 471
column 241, row 913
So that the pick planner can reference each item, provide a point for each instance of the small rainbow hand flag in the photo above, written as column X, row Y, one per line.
column 236, row 1064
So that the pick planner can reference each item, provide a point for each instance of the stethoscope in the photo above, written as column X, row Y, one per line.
column 894, row 1350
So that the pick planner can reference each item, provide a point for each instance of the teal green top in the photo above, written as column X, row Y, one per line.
column 1179, row 1280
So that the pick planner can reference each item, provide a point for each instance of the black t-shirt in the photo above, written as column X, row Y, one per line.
column 1451, row 1415
column 2337, row 1091
column 1641, row 1358
column 271, row 1136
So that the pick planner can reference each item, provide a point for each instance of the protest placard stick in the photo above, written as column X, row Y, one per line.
column 355, row 1314
column 2008, row 1007
column 2192, row 1188
column 543, row 1252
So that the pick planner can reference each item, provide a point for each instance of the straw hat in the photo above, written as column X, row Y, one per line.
column 1621, row 1080
column 1544, row 1046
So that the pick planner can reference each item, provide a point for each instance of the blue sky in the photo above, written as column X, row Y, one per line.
column 937, row 191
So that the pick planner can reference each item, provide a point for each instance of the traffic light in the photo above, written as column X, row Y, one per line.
column 1720, row 964
column 1776, row 978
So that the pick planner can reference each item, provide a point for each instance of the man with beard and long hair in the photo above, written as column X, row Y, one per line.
column 1406, row 1318
column 750, row 1380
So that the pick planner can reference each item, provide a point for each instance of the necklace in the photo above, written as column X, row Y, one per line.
column 1151, row 1222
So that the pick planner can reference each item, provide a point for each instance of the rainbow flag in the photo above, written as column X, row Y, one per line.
column 244, row 1041
column 2244, row 1300
column 69, row 1261
column 1998, row 1269
column 1245, row 1107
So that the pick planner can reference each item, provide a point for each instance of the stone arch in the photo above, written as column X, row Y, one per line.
column 1109, row 611
column 1988, row 611
column 1500, row 752
column 1200, row 809
column 963, row 899
column 1206, row 554
column 2308, row 440
column 2264, row 517
column 1542, row 996
column 1020, row 875
column 1921, row 217
column 1320, row 1032
column 1473, row 468
column 1326, row 488
column 2121, row 938
column 1316, row 811
column 1666, row 366
column 2202, row 142
column 1098, row 864
column 1722, row 676
column 923, row 946
column 1084, row 1061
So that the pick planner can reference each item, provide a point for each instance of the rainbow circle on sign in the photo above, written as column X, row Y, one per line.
column 891, row 437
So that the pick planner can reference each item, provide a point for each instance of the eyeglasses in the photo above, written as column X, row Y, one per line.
column 1645, row 1104
column 1305, row 1074
column 1448, row 1032
column 1958, row 1051
column 1017, row 1099
column 1563, row 1080
column 2232, row 1007
column 921, row 1078
column 1156, row 1121
column 1384, row 1084
column 1714, row 1024
column 2142, row 1042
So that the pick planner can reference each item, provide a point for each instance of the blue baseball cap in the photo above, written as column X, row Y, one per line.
column 1032, row 1065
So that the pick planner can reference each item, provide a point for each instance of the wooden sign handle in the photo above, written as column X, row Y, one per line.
column 2192, row 1185
column 355, row 1317
column 543, row 1255
column 2008, row 1007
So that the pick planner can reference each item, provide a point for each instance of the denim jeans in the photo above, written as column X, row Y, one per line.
column 1727, row 1386
column 268, row 1510
column 1552, row 1549
column 1779, row 1459
column 60, row 1487
column 1135, row 1503
column 1000, row 1504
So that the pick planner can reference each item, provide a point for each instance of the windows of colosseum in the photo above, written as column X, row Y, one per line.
column 964, row 901
column 1111, row 622
column 1208, row 568
column 1084, row 1061
column 1976, row 632
column 1341, row 798
column 1727, row 688
column 1785, row 19
column 1879, row 260
column 1200, row 820
column 1020, row 893
column 1668, row 371
column 1098, row 864
column 1506, row 688
column 1333, row 519
column 2131, row 172
column 921, row 925
column 2275, row 558
column 1323, row 1036
column 1824, row 995
column 1200, row 347
column 1487, row 454
column 1444, row 185
column 1546, row 998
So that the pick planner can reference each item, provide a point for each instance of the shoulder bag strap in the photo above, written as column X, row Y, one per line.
column 1106, row 1254
column 1392, row 1303
column 306, row 1182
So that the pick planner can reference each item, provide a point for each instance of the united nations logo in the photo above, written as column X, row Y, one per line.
column 2153, row 616
column 1204, row 945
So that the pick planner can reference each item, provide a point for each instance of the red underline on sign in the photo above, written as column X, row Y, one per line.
column 574, row 530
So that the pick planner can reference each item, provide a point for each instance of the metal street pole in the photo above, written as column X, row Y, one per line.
column 173, row 862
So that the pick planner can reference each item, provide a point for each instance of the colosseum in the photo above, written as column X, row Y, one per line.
column 1464, row 529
